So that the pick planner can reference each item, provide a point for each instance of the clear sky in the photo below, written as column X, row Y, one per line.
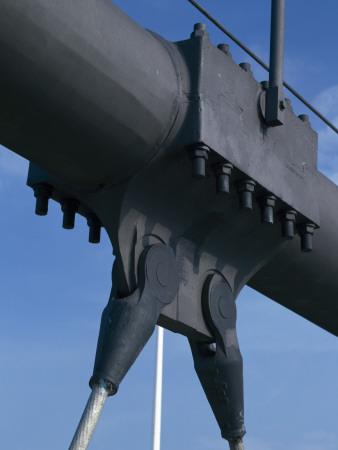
column 54, row 286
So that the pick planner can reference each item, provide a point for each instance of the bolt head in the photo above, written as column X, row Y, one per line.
column 245, row 66
column 224, row 48
column 304, row 118
column 200, row 30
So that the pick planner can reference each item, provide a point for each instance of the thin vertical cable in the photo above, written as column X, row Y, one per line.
column 277, row 43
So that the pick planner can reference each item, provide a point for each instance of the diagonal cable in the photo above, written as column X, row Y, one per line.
column 262, row 63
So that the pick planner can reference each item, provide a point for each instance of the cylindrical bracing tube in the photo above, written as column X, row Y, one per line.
column 86, row 93
column 307, row 283
column 277, row 43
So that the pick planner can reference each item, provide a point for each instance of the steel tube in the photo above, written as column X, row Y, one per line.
column 261, row 63
column 88, row 88
column 307, row 283
column 277, row 43
column 90, row 416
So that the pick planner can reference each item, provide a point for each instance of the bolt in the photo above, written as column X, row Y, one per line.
column 200, row 30
column 245, row 66
column 267, row 204
column 224, row 48
column 200, row 26
column 199, row 156
column 42, row 193
column 306, row 231
column 282, row 105
column 222, row 173
column 287, row 103
column 245, row 189
column 287, row 219
column 95, row 225
column 69, row 208
column 304, row 118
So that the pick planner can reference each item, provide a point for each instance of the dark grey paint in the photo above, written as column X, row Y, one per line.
column 78, row 84
column 114, row 112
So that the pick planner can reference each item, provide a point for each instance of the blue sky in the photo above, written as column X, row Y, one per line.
column 54, row 285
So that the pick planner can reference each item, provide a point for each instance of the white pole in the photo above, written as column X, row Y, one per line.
column 158, row 391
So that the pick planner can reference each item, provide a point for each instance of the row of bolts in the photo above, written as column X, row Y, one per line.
column 69, row 207
column 265, row 84
column 245, row 189
column 222, row 171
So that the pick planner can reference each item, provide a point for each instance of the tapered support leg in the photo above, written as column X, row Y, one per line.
column 126, row 326
column 220, row 367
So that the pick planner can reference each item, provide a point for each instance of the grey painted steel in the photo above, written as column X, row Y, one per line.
column 218, row 108
column 164, row 145
column 220, row 367
column 277, row 43
column 93, row 88
column 307, row 283
column 273, row 110
column 90, row 416
column 260, row 62
column 128, row 323
column 223, row 115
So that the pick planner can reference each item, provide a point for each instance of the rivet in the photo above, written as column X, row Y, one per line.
column 42, row 193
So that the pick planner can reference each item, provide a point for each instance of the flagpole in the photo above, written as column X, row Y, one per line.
column 158, row 391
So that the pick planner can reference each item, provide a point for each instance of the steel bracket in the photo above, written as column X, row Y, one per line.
column 127, row 323
column 220, row 368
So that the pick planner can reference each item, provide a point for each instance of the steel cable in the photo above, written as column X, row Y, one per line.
column 90, row 416
column 262, row 63
column 236, row 444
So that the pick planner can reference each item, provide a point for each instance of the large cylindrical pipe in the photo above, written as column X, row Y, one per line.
column 307, row 283
column 84, row 89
